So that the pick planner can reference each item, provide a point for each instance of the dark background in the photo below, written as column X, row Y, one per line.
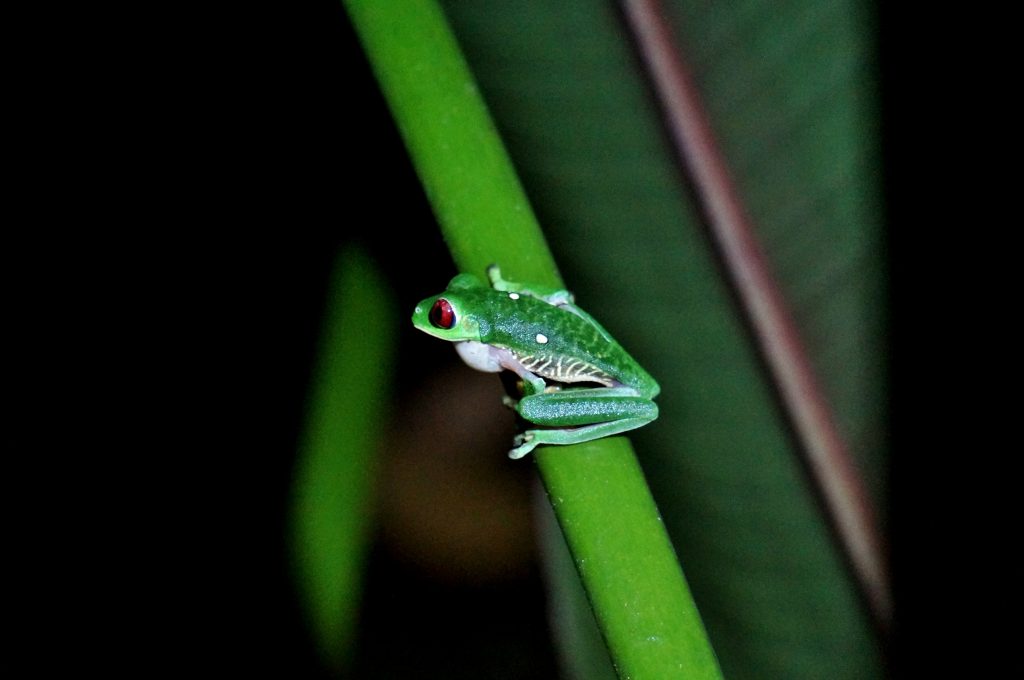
column 205, row 208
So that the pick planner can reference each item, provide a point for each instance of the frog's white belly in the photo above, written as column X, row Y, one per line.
column 492, row 359
column 482, row 357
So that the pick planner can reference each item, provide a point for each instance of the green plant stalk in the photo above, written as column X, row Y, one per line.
column 620, row 547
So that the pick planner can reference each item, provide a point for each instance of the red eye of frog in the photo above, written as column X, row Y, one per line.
column 442, row 315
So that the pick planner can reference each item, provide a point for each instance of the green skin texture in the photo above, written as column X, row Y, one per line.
column 558, row 350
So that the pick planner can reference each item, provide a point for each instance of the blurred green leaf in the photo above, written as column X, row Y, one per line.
column 334, row 473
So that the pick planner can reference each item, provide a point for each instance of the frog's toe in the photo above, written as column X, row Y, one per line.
column 527, row 444
column 524, row 443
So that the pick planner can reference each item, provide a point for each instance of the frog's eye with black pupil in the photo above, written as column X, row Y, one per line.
column 442, row 315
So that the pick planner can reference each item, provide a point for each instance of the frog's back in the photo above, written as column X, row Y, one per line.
column 560, row 344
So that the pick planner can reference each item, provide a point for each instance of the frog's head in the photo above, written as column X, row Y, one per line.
column 447, row 316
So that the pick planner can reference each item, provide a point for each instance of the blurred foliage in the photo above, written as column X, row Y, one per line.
column 335, row 466
column 789, row 89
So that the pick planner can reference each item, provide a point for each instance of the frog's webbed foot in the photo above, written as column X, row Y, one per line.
column 524, row 443
column 498, row 283
column 494, row 275
column 521, row 383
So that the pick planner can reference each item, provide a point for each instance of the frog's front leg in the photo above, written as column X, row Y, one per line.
column 557, row 297
column 573, row 416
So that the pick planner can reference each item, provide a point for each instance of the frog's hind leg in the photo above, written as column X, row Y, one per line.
column 574, row 416
column 577, row 435
column 586, row 406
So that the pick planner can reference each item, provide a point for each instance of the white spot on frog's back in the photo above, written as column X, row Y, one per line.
column 479, row 356
column 513, row 296
column 541, row 338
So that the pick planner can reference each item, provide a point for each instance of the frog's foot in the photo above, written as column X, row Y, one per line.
column 524, row 444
